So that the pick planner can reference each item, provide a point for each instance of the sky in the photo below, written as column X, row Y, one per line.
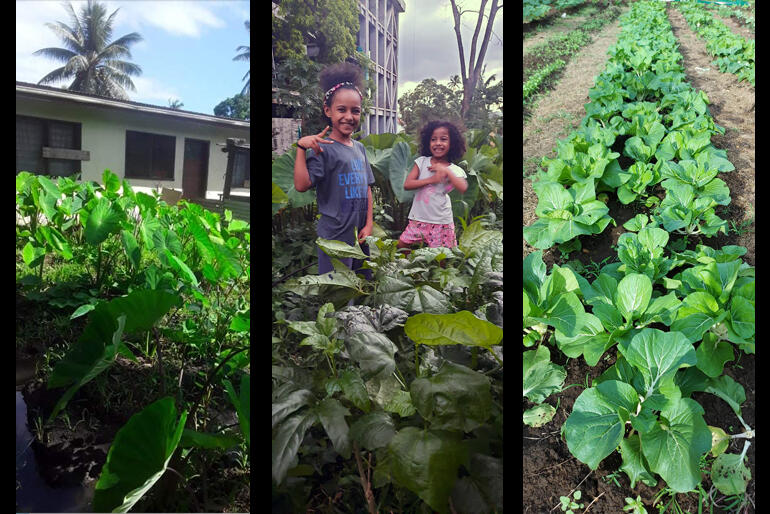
column 428, row 45
column 186, row 54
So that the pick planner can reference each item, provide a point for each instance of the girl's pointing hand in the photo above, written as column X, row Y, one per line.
column 315, row 141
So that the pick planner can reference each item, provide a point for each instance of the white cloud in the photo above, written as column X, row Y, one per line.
column 150, row 91
column 189, row 19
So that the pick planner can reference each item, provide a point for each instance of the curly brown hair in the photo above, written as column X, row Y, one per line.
column 456, row 139
column 339, row 73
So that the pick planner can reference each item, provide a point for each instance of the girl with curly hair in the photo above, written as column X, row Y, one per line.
column 434, row 176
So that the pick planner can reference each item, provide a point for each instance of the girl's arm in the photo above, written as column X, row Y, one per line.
column 459, row 183
column 301, row 176
column 412, row 182
column 367, row 229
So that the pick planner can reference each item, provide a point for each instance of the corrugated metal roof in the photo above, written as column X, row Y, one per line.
column 87, row 98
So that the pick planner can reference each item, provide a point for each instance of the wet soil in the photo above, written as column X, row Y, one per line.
column 549, row 469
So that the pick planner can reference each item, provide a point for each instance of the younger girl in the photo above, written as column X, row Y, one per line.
column 430, row 218
column 337, row 167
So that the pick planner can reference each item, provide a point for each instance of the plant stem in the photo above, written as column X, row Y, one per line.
column 364, row 482
column 417, row 359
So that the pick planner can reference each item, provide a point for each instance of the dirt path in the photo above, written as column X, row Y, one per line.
column 562, row 25
column 732, row 106
column 560, row 112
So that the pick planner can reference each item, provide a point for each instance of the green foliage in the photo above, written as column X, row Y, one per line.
column 237, row 107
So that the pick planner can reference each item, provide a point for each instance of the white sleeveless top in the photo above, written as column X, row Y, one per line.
column 431, row 203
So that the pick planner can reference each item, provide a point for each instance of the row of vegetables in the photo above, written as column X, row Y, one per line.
column 645, row 127
column 733, row 53
column 538, row 9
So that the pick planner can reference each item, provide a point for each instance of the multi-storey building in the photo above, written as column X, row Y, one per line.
column 378, row 38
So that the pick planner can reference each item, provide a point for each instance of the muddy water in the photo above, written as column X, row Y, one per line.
column 33, row 494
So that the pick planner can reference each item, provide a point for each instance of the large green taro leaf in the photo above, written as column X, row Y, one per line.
column 455, row 398
column 446, row 329
column 595, row 427
column 401, row 163
column 102, row 221
column 283, row 176
column 100, row 341
column 139, row 456
column 658, row 355
column 673, row 447
column 475, row 237
column 426, row 463
column 541, row 376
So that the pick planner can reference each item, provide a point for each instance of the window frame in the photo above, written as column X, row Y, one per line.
column 151, row 146
column 46, row 142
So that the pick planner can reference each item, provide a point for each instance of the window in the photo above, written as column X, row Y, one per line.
column 149, row 156
column 33, row 134
column 241, row 169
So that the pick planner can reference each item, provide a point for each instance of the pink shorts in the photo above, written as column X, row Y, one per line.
column 434, row 234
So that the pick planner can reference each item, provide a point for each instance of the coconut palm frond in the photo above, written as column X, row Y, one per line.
column 95, row 64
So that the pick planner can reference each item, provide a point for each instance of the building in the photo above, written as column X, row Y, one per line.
column 378, row 38
column 60, row 132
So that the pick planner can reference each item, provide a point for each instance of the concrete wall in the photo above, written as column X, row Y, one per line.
column 103, row 134
column 285, row 133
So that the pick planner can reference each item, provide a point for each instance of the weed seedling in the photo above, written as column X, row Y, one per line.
column 569, row 506
column 635, row 506
column 613, row 477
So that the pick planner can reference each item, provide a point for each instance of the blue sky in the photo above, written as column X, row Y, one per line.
column 187, row 52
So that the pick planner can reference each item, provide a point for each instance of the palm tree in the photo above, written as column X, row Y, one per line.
column 92, row 62
column 245, row 56
column 175, row 103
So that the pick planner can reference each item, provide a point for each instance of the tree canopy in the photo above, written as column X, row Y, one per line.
column 245, row 55
column 237, row 107
column 94, row 64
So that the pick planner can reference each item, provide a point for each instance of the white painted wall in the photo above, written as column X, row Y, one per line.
column 103, row 134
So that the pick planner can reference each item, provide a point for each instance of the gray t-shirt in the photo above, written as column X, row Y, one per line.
column 431, row 203
column 341, row 175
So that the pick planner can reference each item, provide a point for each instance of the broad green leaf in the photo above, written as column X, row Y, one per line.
column 290, row 404
column 83, row 309
column 742, row 317
column 287, row 441
column 447, row 329
column 182, row 268
column 729, row 474
column 674, row 447
column 193, row 439
column 658, row 355
column 103, row 221
column 633, row 295
column 138, row 456
column 131, row 247
column 566, row 315
column 729, row 390
column 633, row 462
column 455, row 398
column 400, row 403
column 712, row 354
column 332, row 414
column 340, row 249
column 111, row 181
column 373, row 352
column 401, row 163
column 282, row 173
column 595, row 427
column 426, row 463
column 32, row 254
column 719, row 441
column 539, row 415
column 541, row 377
column 475, row 237
column 373, row 430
